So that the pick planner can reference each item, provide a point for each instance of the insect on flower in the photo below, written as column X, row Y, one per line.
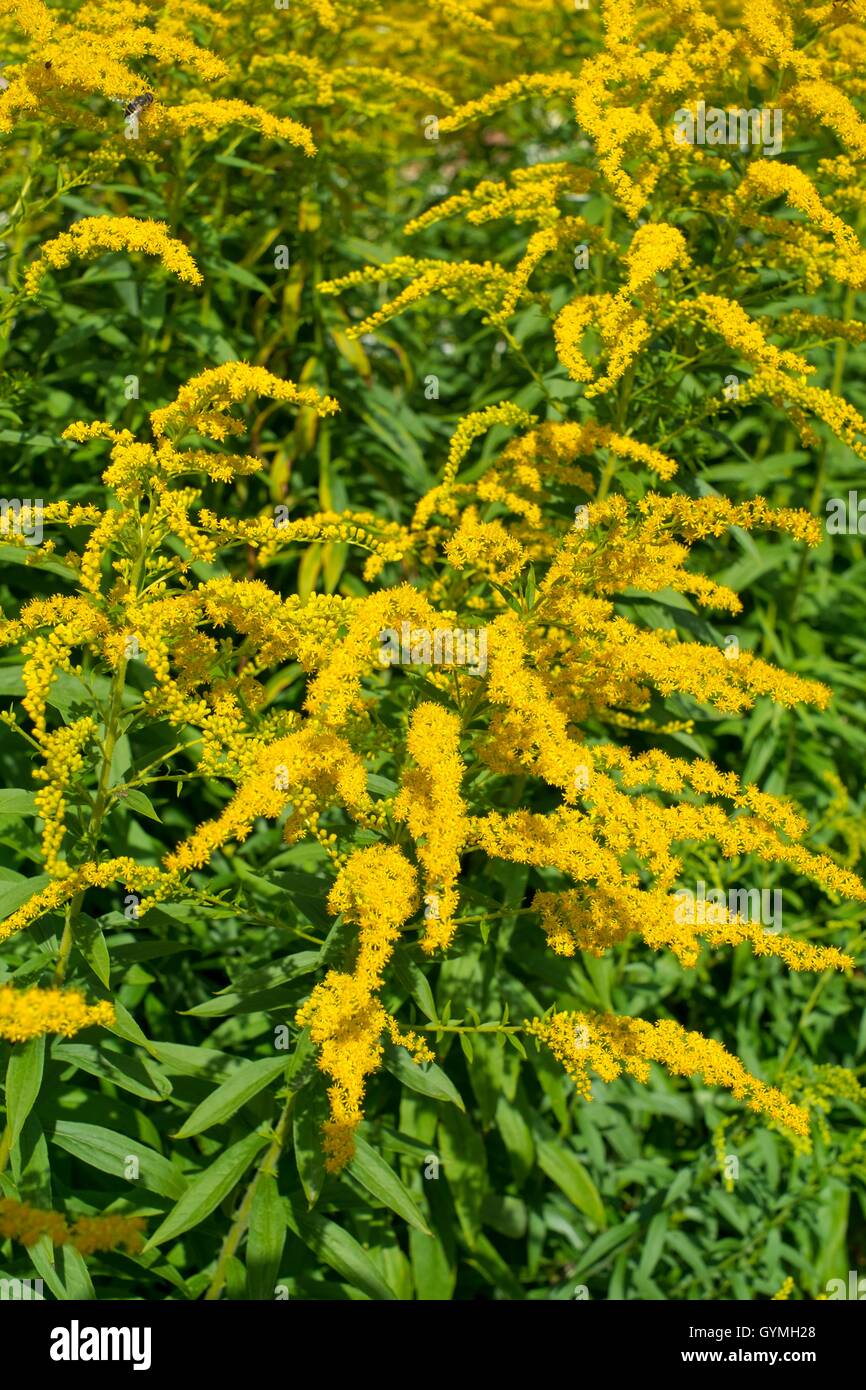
column 133, row 107
column 138, row 104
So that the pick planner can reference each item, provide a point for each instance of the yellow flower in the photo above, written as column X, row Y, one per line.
column 430, row 802
column 377, row 890
column 482, row 286
column 204, row 403
column 28, row 1013
column 124, row 870
column 211, row 117
column 88, row 1234
column 113, row 1231
column 544, row 84
column 34, row 17
column 64, row 760
column 609, row 1045
column 27, row 1224
column 825, row 102
column 91, row 236
column 486, row 546
column 655, row 248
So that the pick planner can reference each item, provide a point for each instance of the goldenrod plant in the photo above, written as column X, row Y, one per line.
column 431, row 683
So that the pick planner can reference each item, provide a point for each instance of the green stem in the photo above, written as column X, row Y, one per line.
column 103, row 791
column 469, row 1028
column 5, row 1147
column 73, row 908
column 267, row 1167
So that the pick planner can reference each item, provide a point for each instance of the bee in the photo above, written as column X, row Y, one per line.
column 137, row 105
column 133, row 108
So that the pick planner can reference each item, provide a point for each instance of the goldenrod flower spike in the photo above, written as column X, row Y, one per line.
column 204, row 403
column 481, row 285
column 823, row 101
column 377, row 891
column 136, row 877
column 34, row 17
column 92, row 236
column 470, row 428
column 30, row 1013
column 609, row 1045
column 541, row 84
column 87, row 1234
column 767, row 179
column 430, row 802
column 211, row 117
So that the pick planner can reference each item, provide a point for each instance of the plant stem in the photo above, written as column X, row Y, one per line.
column 469, row 1027
column 5, row 1147
column 73, row 908
column 112, row 719
column 242, row 1218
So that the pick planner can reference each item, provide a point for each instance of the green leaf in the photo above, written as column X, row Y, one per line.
column 227, row 1004
column 311, row 1110
column 654, row 1242
column 604, row 1245
column 487, row 1258
column 23, row 1082
column 42, row 1257
column 465, row 1166
column 516, row 1136
column 125, row 1027
column 208, row 1189
column 15, row 802
column 138, row 802
column 434, row 1275
column 244, row 277
column 334, row 1245
column 306, row 893
column 380, row 1180
column 267, row 1236
column 412, row 977
column 269, row 976
column 110, row 1152
column 76, row 1275
column 228, row 1098
column 90, row 941
column 195, row 1061
column 426, row 1077
column 129, row 1073
column 566, row 1170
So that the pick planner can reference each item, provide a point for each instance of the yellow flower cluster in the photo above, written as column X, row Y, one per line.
column 609, row 1045
column 29, row 1013
column 497, row 548
column 430, row 802
column 87, row 1234
column 92, row 236
column 624, row 97
column 212, row 117
column 204, row 402
column 377, row 890
column 483, row 286
column 64, row 759
column 137, row 877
